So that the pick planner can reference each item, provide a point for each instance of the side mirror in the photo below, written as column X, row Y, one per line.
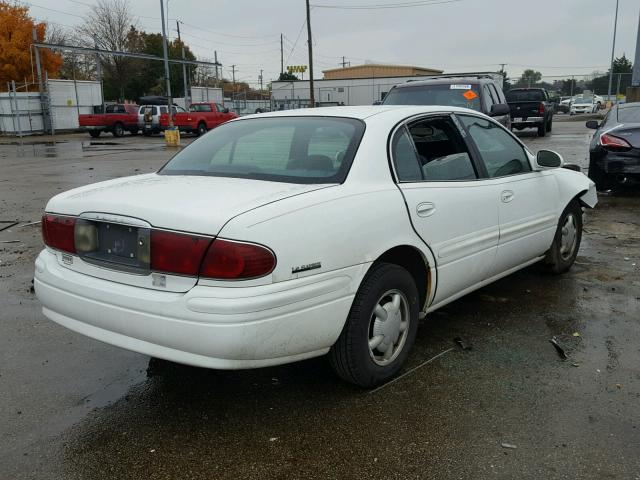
column 225, row 110
column 498, row 109
column 549, row 159
column 592, row 124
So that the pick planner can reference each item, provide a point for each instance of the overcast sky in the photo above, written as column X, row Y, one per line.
column 556, row 37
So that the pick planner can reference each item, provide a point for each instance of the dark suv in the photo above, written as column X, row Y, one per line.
column 481, row 92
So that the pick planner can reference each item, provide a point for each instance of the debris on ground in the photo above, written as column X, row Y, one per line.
column 463, row 345
column 559, row 349
column 508, row 445
column 576, row 334
column 10, row 241
column 5, row 224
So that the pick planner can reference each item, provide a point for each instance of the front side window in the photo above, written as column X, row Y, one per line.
column 440, row 151
column 501, row 153
column 282, row 149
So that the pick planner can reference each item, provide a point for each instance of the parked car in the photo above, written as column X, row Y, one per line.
column 289, row 235
column 583, row 104
column 149, row 117
column 564, row 105
column 117, row 119
column 614, row 152
column 482, row 93
column 200, row 118
column 530, row 108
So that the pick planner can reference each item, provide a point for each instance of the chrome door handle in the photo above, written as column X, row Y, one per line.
column 506, row 196
column 425, row 209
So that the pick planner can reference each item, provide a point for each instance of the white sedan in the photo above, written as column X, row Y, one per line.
column 295, row 234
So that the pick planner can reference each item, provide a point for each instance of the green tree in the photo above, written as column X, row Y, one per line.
column 287, row 77
column 529, row 77
column 622, row 68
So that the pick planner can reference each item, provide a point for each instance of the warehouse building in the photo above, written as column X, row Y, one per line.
column 357, row 85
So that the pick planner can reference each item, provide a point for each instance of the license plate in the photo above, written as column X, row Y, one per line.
column 517, row 119
column 115, row 245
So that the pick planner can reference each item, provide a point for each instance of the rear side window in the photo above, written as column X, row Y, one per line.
column 453, row 95
column 205, row 107
column 286, row 149
column 501, row 153
column 440, row 152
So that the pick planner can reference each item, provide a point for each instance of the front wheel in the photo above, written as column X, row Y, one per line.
column 118, row 130
column 94, row 133
column 380, row 329
column 566, row 243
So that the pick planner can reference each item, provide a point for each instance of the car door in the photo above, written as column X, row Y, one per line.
column 451, row 209
column 527, row 199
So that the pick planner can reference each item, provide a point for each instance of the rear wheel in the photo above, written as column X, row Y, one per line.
column 202, row 129
column 549, row 124
column 118, row 130
column 542, row 130
column 566, row 242
column 94, row 133
column 134, row 131
column 380, row 329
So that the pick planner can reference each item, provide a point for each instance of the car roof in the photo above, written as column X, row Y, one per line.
column 443, row 81
column 363, row 112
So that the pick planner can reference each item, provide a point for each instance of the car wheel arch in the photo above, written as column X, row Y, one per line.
column 417, row 264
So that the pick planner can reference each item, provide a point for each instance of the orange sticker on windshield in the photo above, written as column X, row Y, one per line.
column 470, row 95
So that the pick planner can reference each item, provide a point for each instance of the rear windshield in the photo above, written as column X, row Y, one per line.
column 525, row 96
column 629, row 114
column 203, row 107
column 451, row 95
column 280, row 149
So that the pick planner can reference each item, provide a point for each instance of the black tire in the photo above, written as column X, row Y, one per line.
column 542, row 130
column 202, row 129
column 94, row 133
column 134, row 131
column 118, row 130
column 550, row 125
column 147, row 133
column 599, row 177
column 560, row 258
column 350, row 356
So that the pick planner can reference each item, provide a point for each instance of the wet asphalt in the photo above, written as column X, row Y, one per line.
column 506, row 407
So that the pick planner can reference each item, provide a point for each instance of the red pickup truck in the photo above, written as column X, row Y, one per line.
column 201, row 117
column 117, row 119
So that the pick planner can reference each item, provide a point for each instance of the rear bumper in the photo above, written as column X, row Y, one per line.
column 529, row 122
column 616, row 164
column 214, row 327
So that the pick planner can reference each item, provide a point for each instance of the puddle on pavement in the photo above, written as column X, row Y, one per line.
column 67, row 150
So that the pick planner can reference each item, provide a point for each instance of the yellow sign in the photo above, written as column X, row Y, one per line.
column 69, row 102
column 296, row 68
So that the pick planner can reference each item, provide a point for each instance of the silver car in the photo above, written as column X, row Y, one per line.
column 149, row 117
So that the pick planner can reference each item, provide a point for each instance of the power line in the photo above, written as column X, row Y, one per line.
column 381, row 6
column 296, row 42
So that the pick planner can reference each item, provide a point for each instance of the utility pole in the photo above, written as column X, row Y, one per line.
column 635, row 78
column 233, row 87
column 312, row 97
column 260, row 78
column 281, row 56
column 344, row 63
column 46, row 123
column 613, row 48
column 215, row 58
column 166, row 64
column 184, row 69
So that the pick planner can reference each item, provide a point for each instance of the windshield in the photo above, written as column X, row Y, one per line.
column 629, row 114
column 525, row 96
column 453, row 95
column 281, row 149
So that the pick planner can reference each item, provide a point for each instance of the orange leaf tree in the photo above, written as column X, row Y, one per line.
column 15, row 46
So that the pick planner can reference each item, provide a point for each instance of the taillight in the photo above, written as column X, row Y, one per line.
column 58, row 232
column 541, row 109
column 178, row 253
column 614, row 143
column 229, row 260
